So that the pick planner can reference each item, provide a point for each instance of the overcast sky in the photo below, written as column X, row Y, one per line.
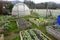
column 39, row 1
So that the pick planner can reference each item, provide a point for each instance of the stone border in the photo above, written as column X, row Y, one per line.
column 21, row 36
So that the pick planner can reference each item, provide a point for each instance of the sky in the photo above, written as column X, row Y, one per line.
column 39, row 1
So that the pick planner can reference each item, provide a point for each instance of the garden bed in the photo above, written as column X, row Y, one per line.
column 38, row 22
column 10, row 26
column 33, row 34
column 53, row 32
column 23, row 24
column 41, row 21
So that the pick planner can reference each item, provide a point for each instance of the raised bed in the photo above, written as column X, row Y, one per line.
column 23, row 24
column 38, row 22
column 53, row 32
column 41, row 22
column 33, row 34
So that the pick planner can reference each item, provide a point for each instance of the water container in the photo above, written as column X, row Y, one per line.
column 58, row 20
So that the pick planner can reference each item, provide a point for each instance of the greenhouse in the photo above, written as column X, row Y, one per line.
column 20, row 9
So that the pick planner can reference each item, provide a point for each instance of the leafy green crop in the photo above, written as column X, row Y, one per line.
column 36, row 38
column 26, row 36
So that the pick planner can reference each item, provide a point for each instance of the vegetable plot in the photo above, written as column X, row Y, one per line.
column 33, row 34
column 26, row 36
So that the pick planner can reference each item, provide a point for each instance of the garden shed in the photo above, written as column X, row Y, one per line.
column 20, row 9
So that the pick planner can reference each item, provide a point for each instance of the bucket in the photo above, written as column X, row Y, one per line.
column 58, row 20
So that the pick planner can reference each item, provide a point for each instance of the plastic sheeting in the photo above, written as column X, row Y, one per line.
column 20, row 9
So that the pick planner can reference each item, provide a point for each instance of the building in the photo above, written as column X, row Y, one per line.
column 3, row 5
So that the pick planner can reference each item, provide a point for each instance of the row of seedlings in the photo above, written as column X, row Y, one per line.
column 44, row 37
column 33, row 34
column 26, row 35
column 37, row 35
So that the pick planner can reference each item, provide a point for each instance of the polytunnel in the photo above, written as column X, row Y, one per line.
column 20, row 9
